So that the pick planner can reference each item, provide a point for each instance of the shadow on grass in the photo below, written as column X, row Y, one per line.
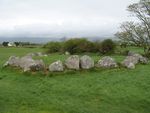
column 67, row 72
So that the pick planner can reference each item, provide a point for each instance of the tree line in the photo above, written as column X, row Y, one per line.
column 80, row 45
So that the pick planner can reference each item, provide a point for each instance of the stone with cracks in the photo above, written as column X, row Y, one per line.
column 86, row 62
column 144, row 60
column 56, row 66
column 12, row 61
column 73, row 62
column 107, row 62
column 131, row 66
column 134, row 58
column 26, row 63
column 130, row 59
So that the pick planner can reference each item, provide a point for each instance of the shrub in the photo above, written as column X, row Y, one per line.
column 125, row 52
column 97, row 46
column 87, row 46
column 17, row 44
column 78, row 45
column 107, row 46
column 123, row 44
column 5, row 44
column 53, row 47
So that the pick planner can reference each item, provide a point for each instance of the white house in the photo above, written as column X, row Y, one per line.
column 11, row 44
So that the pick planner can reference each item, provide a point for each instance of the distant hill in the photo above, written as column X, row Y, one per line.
column 42, row 40
column 31, row 40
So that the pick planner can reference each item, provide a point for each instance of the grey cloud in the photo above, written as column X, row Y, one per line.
column 65, row 17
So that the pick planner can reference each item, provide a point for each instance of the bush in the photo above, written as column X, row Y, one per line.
column 17, row 44
column 97, row 46
column 5, row 44
column 53, row 47
column 81, row 45
column 107, row 46
column 78, row 45
column 125, row 52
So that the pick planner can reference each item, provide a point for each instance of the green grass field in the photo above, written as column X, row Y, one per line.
column 94, row 91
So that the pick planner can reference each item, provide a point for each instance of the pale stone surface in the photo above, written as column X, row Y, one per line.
column 73, row 62
column 26, row 63
column 12, row 61
column 131, row 66
column 56, row 66
column 107, row 62
column 130, row 59
column 67, row 53
column 134, row 58
column 86, row 62
column 144, row 60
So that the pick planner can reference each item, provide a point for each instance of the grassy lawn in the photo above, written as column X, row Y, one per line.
column 93, row 91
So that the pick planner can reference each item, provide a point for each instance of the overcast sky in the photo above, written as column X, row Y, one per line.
column 48, row 18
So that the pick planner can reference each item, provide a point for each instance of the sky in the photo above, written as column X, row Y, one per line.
column 62, row 18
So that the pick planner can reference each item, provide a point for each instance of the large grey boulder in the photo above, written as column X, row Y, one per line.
column 131, row 59
column 26, row 63
column 56, row 66
column 134, row 58
column 29, row 64
column 140, row 58
column 73, row 62
column 12, row 61
column 86, row 62
column 38, row 65
column 143, row 60
column 107, row 62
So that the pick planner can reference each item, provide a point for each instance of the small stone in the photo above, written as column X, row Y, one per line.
column 131, row 66
column 67, row 53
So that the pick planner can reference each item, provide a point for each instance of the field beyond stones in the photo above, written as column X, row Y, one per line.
column 117, row 90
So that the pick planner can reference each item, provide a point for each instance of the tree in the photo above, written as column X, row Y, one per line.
column 5, row 44
column 132, row 33
column 107, row 46
column 17, row 44
column 79, row 45
column 53, row 47
column 137, row 33
column 141, row 10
